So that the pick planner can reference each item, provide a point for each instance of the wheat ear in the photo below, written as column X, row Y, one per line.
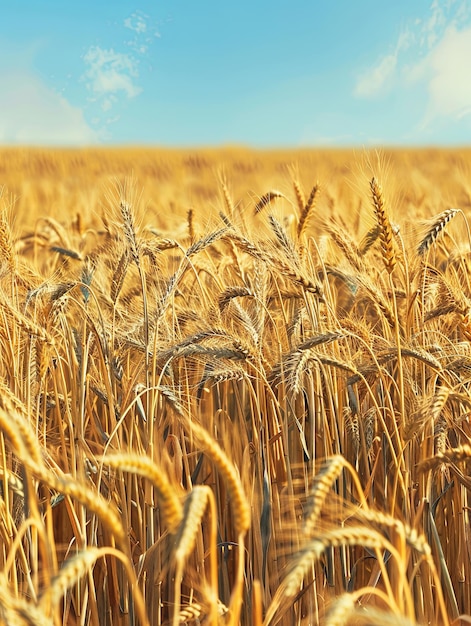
column 329, row 471
column 70, row 573
column 340, row 610
column 312, row 551
column 283, row 239
column 227, row 196
column 459, row 454
column 307, row 210
column 385, row 233
column 435, row 229
column 372, row 615
column 17, row 611
column 91, row 500
column 195, row 507
column 6, row 244
column 344, row 608
column 21, row 437
column 267, row 198
column 28, row 325
column 119, row 274
column 130, row 231
column 299, row 193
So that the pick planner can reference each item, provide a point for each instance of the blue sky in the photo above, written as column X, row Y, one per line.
column 210, row 72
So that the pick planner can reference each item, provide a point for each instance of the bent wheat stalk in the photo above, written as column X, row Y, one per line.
column 171, row 509
column 76, row 568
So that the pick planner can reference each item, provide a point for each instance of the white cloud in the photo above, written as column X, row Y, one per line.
column 449, row 82
column 110, row 73
column 112, row 76
column 432, row 54
column 379, row 78
column 32, row 113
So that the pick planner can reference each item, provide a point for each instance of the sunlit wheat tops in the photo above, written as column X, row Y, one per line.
column 228, row 408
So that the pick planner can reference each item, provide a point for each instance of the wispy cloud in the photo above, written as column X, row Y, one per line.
column 144, row 31
column 431, row 54
column 32, row 113
column 137, row 22
column 374, row 80
column 380, row 78
column 110, row 74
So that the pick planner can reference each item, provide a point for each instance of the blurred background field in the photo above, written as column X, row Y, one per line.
column 62, row 183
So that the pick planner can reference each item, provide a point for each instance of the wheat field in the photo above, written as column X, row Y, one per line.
column 235, row 387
